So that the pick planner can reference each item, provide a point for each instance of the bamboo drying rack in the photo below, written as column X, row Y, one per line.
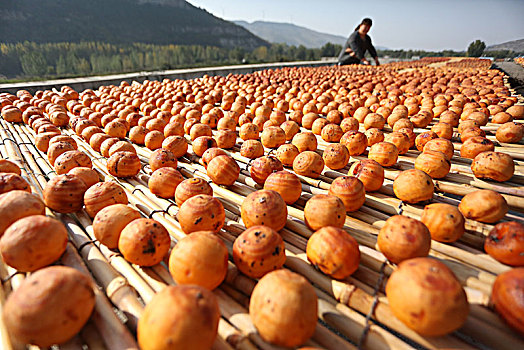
column 353, row 313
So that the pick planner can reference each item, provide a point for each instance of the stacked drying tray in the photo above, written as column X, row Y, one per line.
column 367, row 151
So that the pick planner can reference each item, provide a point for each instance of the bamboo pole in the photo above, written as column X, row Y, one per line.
column 114, row 334
column 219, row 191
column 219, row 343
column 231, row 335
column 105, row 321
column 226, row 329
column 5, row 341
column 293, row 239
column 75, row 343
column 118, row 262
column 347, row 294
column 297, row 231
column 322, row 335
column 92, row 338
column 371, row 196
column 116, row 287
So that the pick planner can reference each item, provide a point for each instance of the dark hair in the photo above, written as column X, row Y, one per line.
column 366, row 21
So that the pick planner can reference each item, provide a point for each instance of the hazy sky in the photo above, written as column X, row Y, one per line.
column 415, row 24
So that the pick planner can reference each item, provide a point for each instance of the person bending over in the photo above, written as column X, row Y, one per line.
column 356, row 46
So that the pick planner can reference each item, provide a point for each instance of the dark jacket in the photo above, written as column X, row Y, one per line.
column 358, row 46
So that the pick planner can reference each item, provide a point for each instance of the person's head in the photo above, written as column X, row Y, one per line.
column 364, row 26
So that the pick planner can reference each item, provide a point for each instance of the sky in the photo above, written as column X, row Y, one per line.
column 397, row 24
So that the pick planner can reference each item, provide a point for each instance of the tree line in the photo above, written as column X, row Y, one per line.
column 30, row 60
column 476, row 48
column 473, row 52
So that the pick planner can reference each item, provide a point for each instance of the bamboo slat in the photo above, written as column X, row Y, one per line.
column 114, row 334
column 141, row 191
column 197, row 170
column 5, row 341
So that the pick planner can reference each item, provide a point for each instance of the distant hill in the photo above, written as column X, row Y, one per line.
column 117, row 22
column 290, row 34
column 515, row 45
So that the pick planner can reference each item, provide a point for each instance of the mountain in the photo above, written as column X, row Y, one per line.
column 119, row 21
column 515, row 45
column 290, row 34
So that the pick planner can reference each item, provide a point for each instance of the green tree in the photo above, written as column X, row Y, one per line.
column 33, row 64
column 127, row 64
column 137, row 59
column 260, row 53
column 30, row 60
column 330, row 50
column 61, row 66
column 476, row 48
column 236, row 54
column 83, row 67
column 301, row 53
column 116, row 64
